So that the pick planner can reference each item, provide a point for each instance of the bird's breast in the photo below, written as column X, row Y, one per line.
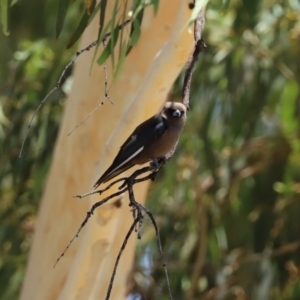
column 161, row 146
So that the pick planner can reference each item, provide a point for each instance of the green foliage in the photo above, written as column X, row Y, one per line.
column 85, row 20
column 31, row 63
column 228, row 204
column 61, row 15
column 3, row 10
column 29, row 68
column 117, row 19
column 90, row 10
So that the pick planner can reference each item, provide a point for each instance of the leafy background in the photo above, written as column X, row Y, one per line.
column 228, row 204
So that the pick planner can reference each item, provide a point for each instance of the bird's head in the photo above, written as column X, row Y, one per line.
column 174, row 111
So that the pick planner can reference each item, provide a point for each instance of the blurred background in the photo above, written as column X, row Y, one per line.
column 227, row 204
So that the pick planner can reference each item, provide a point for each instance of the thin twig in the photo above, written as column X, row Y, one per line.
column 89, row 214
column 82, row 121
column 106, row 95
column 122, row 189
column 106, row 77
column 132, row 177
column 159, row 248
column 137, row 210
column 58, row 84
column 112, row 278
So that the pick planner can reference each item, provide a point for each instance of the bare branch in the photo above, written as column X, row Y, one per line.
column 112, row 278
column 198, row 48
column 106, row 95
column 89, row 214
column 82, row 121
column 137, row 210
column 58, row 84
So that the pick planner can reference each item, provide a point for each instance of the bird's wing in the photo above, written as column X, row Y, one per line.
column 143, row 135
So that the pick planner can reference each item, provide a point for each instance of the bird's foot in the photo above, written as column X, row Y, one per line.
column 155, row 164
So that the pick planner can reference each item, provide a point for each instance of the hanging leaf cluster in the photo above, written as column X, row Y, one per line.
column 126, row 11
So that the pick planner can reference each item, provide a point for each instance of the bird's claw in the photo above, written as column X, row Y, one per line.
column 154, row 164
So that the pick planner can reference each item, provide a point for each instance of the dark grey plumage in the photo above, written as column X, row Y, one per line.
column 152, row 139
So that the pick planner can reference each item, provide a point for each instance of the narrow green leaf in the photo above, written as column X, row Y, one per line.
column 155, row 6
column 81, row 27
column 136, row 33
column 109, row 49
column 104, row 56
column 103, row 4
column 4, row 16
column 114, row 33
column 61, row 15
column 120, row 61
column 94, row 13
column 104, row 32
column 121, row 43
column 100, row 38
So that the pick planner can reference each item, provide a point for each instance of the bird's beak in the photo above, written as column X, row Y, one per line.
column 177, row 113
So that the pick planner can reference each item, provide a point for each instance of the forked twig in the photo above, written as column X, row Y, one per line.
column 106, row 94
column 137, row 210
column 58, row 84
column 100, row 191
column 136, row 221
column 122, row 189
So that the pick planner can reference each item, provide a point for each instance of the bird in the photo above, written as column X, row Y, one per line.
column 150, row 141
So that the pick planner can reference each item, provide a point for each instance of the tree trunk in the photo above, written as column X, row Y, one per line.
column 79, row 160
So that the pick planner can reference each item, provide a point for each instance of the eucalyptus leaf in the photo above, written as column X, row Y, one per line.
column 4, row 16
column 121, row 60
column 155, row 5
column 114, row 33
column 136, row 32
column 81, row 27
column 61, row 15
column 109, row 47
column 103, row 4
column 94, row 13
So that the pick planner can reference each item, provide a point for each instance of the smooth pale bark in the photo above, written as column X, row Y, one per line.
column 78, row 161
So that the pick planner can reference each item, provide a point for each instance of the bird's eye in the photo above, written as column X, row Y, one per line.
column 176, row 113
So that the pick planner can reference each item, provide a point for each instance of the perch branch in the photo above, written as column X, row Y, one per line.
column 198, row 48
